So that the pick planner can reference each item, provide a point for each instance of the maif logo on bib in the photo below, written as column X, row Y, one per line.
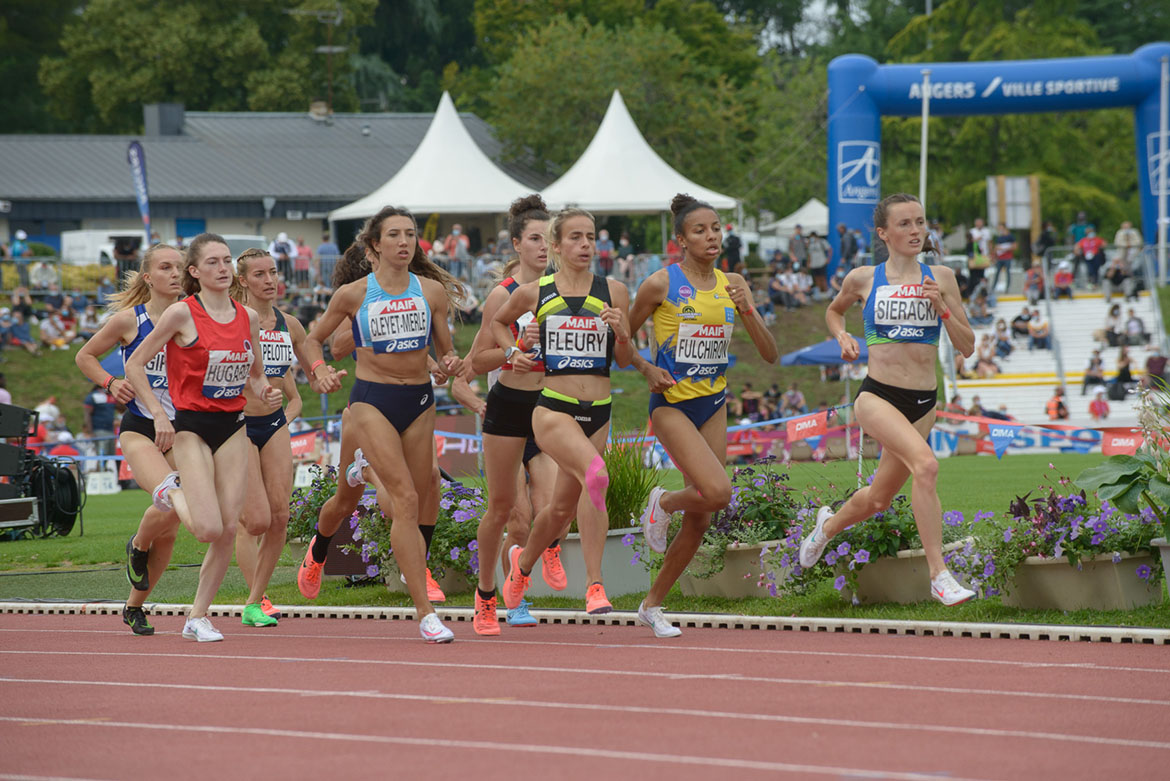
column 902, row 312
column 227, row 371
column 575, row 342
column 276, row 351
column 398, row 325
column 701, row 350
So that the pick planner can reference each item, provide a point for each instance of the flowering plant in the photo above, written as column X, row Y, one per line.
column 453, row 546
column 305, row 503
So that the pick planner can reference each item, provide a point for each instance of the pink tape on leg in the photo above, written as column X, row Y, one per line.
column 597, row 483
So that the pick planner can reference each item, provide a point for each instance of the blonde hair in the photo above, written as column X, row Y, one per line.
column 191, row 284
column 134, row 290
column 556, row 225
column 238, row 290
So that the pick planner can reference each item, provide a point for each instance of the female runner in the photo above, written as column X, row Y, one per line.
column 693, row 305
column 905, row 302
column 260, row 537
column 146, row 295
column 209, row 342
column 397, row 310
column 507, row 423
column 583, row 327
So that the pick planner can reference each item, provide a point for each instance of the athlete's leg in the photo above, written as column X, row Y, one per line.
column 277, row 467
column 254, row 519
column 501, row 466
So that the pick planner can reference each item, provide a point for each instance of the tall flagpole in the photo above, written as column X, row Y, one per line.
column 925, row 137
column 1163, row 156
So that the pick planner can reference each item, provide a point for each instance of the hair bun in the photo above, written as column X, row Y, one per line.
column 680, row 202
column 526, row 204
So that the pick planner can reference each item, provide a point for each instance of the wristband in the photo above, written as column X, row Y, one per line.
column 622, row 341
column 316, row 363
column 520, row 344
column 946, row 315
column 748, row 311
column 109, row 382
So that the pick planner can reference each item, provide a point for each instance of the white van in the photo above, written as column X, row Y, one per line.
column 86, row 247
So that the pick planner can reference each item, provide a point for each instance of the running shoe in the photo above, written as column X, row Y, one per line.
column 434, row 593
column 519, row 615
column 947, row 590
column 136, row 566
column 160, row 496
column 254, row 616
column 485, row 621
column 135, row 618
column 552, row 570
column 432, row 630
column 309, row 574
column 270, row 610
column 517, row 583
column 595, row 601
column 201, row 629
column 353, row 472
column 654, row 618
column 655, row 521
column 814, row 544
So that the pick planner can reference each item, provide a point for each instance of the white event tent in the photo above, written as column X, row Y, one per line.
column 812, row 216
column 446, row 154
column 620, row 173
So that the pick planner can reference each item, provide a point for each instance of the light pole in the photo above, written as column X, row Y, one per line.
column 332, row 19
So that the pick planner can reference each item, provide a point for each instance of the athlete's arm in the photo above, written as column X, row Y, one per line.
column 762, row 338
column 855, row 282
column 943, row 292
column 444, row 350
column 485, row 354
column 617, row 318
column 296, row 333
column 175, row 322
column 261, row 388
column 650, row 295
column 523, row 299
column 117, row 330
column 341, row 343
column 461, row 391
column 323, row 378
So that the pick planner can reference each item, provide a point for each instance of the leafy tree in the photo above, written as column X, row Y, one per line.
column 29, row 29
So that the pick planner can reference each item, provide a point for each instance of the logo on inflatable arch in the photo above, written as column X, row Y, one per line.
column 859, row 171
column 1154, row 155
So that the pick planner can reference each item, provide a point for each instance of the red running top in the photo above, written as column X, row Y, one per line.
column 209, row 375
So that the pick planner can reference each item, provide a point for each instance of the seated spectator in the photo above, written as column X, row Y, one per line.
column 750, row 402
column 53, row 300
column 979, row 314
column 1135, row 330
column 838, row 279
column 1038, row 332
column 15, row 332
column 1034, row 282
column 1098, row 407
column 1062, row 281
column 976, row 408
column 1095, row 373
column 1020, row 322
column 1003, row 339
column 54, row 333
column 1056, row 408
column 985, row 365
column 1124, row 378
column 1155, row 368
column 105, row 289
column 956, row 405
column 1117, row 277
column 999, row 414
column 89, row 323
column 804, row 284
column 794, row 401
column 1114, row 328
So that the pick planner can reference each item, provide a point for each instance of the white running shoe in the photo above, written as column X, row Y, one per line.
column 814, row 544
column 655, row 521
column 160, row 496
column 201, row 629
column 432, row 630
column 353, row 472
column 947, row 590
column 653, row 618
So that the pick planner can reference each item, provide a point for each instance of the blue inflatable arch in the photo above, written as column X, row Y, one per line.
column 861, row 91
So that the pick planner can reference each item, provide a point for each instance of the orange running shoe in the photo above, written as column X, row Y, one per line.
column 552, row 570
column 434, row 593
column 485, row 621
column 517, row 583
column 595, row 601
column 269, row 609
column 309, row 575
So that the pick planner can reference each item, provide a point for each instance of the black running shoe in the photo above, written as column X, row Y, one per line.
column 136, row 567
column 135, row 618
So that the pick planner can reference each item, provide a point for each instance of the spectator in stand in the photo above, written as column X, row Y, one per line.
column 733, row 249
column 999, row 414
column 774, row 395
column 1062, row 281
column 1112, row 333
column 282, row 250
column 849, row 248
column 793, row 401
column 54, row 334
column 89, row 324
column 804, row 284
column 625, row 270
column 105, row 289
column 325, row 257
column 981, row 235
column 1135, row 330
column 1020, row 322
column 100, row 411
column 976, row 408
column 1155, row 368
column 798, row 246
column 1094, row 373
column 985, row 365
column 1005, row 254
column 1003, row 339
column 956, row 405
column 68, row 312
column 20, row 253
column 979, row 314
column 977, row 259
column 458, row 248
column 605, row 252
column 15, row 332
column 1128, row 243
column 1046, row 242
column 1038, row 332
column 1092, row 250
column 1117, row 277
column 838, row 280
column 303, row 264
column 1098, row 407
column 1056, row 408
column 820, row 252
column 750, row 402
column 1077, row 230
column 53, row 299
column 1124, row 378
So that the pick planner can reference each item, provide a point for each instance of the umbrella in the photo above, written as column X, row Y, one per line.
column 824, row 353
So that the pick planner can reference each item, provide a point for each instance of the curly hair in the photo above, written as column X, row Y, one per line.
column 353, row 265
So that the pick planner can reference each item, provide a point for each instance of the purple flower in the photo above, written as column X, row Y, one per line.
column 628, row 539
column 831, row 557
column 635, row 558
column 445, row 503
column 357, row 533
column 843, row 549
column 1143, row 571
column 473, row 545
column 771, row 589
column 989, row 569
column 862, row 556
column 1007, row 535
column 869, row 480
column 983, row 516
column 839, row 583
column 461, row 516
column 952, row 517
column 1116, row 558
column 455, row 554
column 1097, row 538
column 372, row 571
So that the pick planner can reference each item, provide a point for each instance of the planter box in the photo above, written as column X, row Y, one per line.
column 903, row 579
column 1099, row 585
column 621, row 577
column 451, row 582
column 1163, row 546
column 739, row 577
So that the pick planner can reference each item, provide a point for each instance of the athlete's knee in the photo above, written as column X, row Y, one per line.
column 876, row 502
column 207, row 530
column 716, row 493
column 255, row 525
column 925, row 467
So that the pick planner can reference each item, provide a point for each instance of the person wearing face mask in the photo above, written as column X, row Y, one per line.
column 605, row 252
column 458, row 249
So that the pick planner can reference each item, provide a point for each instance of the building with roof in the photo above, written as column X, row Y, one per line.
column 230, row 173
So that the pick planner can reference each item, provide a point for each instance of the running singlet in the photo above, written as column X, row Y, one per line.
column 156, row 367
column 209, row 374
column 692, row 335
column 573, row 337
column 276, row 348
column 393, row 324
column 899, row 313
column 510, row 284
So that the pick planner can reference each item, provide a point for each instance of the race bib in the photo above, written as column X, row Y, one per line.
column 575, row 342
column 227, row 372
column 156, row 370
column 901, row 312
column 701, row 350
column 398, row 325
column 276, row 351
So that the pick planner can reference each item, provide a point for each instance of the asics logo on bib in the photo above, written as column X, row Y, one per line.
column 905, row 331
column 575, row 363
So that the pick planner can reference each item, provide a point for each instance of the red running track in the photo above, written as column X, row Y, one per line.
column 80, row 697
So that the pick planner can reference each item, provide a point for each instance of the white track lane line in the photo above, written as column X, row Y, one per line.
column 22, row 777
column 674, row 647
column 480, row 746
column 690, row 712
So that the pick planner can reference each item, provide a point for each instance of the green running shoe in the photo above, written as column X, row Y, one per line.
column 135, row 618
column 254, row 616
